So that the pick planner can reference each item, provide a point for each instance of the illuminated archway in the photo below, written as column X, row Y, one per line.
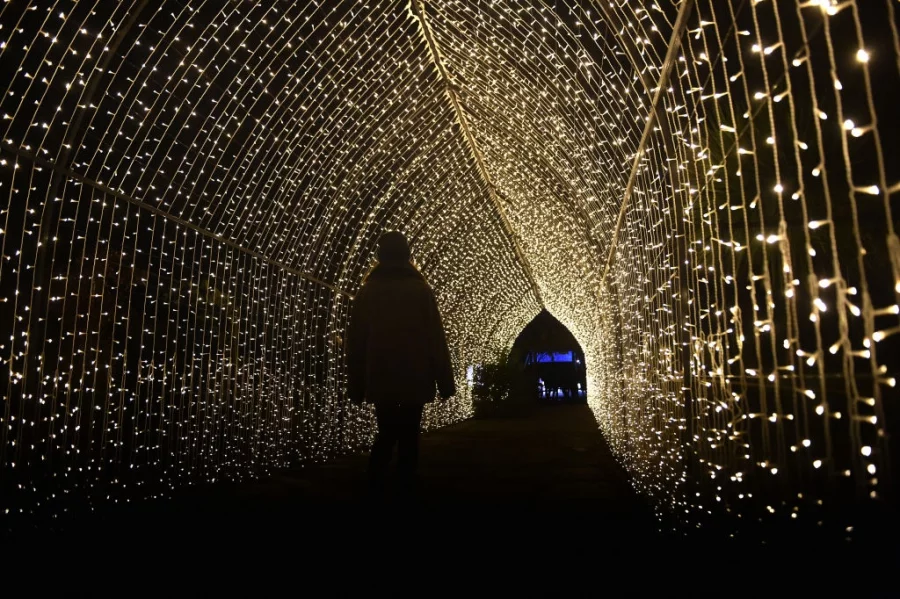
column 192, row 193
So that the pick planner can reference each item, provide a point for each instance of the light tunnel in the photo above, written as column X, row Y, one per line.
column 701, row 191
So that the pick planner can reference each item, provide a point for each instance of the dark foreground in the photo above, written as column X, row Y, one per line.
column 529, row 495
column 547, row 471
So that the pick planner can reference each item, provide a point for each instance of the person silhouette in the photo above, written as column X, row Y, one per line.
column 397, row 355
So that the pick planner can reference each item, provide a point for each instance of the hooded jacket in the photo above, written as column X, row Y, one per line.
column 397, row 349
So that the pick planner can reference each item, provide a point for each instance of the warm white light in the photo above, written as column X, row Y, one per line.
column 211, row 205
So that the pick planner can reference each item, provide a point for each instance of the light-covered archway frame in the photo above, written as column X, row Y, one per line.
column 700, row 191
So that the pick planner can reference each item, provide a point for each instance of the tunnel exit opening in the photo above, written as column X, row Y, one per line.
column 544, row 366
column 550, row 362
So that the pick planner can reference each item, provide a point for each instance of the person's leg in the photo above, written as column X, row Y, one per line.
column 410, row 420
column 386, row 416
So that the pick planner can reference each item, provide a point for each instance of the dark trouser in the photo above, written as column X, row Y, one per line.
column 398, row 424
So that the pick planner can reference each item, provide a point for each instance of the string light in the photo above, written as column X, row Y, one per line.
column 193, row 193
column 192, row 213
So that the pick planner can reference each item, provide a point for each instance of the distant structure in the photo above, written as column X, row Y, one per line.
column 553, row 362
column 559, row 376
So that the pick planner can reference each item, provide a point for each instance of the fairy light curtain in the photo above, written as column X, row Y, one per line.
column 192, row 194
column 699, row 190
